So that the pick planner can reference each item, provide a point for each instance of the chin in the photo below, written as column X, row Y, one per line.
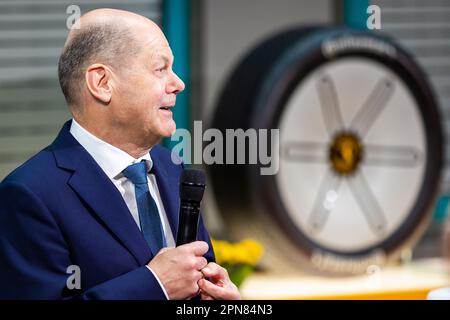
column 169, row 129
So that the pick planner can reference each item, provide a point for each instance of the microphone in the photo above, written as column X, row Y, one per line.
column 192, row 186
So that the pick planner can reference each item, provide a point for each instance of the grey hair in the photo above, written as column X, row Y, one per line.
column 109, row 44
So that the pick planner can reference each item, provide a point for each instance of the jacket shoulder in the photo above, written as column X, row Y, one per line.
column 34, row 171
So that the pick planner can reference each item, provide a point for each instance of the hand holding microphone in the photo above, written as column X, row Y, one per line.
column 216, row 283
column 179, row 268
column 183, row 270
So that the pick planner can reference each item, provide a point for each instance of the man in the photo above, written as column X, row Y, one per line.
column 102, row 199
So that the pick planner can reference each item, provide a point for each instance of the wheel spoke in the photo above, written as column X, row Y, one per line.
column 394, row 156
column 305, row 152
column 329, row 104
column 368, row 203
column 325, row 201
column 372, row 107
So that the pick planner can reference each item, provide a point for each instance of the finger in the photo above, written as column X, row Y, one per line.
column 213, row 270
column 228, row 292
column 201, row 262
column 205, row 296
column 198, row 248
column 214, row 291
column 197, row 292
column 198, row 276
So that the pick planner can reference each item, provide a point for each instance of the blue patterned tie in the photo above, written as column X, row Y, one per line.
column 148, row 211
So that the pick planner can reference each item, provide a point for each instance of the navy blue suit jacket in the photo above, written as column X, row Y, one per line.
column 60, row 209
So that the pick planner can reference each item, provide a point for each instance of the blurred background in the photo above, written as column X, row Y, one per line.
column 208, row 38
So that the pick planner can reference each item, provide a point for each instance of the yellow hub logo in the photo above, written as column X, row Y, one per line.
column 346, row 152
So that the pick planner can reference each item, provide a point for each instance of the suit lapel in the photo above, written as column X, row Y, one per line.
column 99, row 193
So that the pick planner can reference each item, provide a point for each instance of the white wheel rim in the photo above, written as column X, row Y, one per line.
column 357, row 212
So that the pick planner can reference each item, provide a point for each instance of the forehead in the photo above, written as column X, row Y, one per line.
column 157, row 47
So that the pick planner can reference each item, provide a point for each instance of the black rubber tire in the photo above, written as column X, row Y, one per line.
column 255, row 96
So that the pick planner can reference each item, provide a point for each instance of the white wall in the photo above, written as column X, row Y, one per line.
column 233, row 27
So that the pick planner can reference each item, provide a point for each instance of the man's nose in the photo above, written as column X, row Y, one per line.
column 176, row 85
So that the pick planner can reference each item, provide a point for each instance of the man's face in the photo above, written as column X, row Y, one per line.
column 146, row 91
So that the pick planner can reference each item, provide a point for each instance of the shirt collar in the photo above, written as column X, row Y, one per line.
column 111, row 159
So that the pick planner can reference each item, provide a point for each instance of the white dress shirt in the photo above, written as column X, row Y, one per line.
column 113, row 161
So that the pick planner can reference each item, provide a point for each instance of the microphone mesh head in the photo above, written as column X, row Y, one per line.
column 192, row 185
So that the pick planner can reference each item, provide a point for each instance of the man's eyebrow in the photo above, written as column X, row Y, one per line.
column 165, row 58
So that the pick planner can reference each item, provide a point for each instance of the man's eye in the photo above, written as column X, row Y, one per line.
column 161, row 69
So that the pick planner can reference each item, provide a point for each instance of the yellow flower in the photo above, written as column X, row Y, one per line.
column 247, row 251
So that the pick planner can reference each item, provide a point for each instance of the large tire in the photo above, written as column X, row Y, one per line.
column 384, row 204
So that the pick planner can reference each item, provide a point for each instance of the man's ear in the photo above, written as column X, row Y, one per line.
column 98, row 82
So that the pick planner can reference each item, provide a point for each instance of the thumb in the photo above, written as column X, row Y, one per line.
column 198, row 248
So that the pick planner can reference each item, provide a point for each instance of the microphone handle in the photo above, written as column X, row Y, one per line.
column 188, row 224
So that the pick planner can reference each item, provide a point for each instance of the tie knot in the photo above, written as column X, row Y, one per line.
column 136, row 172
